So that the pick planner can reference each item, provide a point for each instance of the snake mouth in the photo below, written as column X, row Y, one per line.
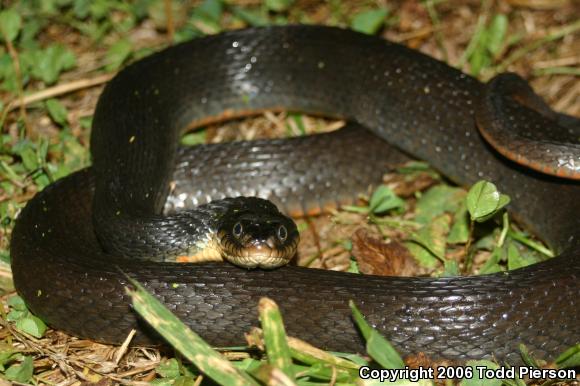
column 256, row 253
column 255, row 234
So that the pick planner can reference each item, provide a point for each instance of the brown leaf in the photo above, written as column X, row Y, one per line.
column 405, row 186
column 375, row 257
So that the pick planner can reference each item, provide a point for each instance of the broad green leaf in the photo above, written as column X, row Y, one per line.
column 491, row 265
column 369, row 22
column 518, row 260
column 118, row 53
column 7, row 354
column 451, row 269
column 31, row 325
column 21, row 372
column 50, row 62
column 194, row 138
column 476, row 380
column 433, row 237
column 169, row 368
column 484, row 200
column 30, row 30
column 29, row 158
column 377, row 346
column 459, row 233
column 422, row 255
column 17, row 303
column 10, row 24
column 57, row 111
column 384, row 199
column 438, row 200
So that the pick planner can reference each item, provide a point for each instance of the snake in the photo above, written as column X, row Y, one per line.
column 145, row 197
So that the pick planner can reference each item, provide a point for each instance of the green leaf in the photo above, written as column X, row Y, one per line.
column 194, row 138
column 384, row 199
column 29, row 159
column 517, row 260
column 81, row 8
column 10, row 24
column 47, row 64
column 476, row 380
column 57, row 111
column 205, row 19
column 169, row 368
column 438, row 200
column 21, row 372
column 275, row 336
column 212, row 9
column 278, row 5
column 496, row 33
column 7, row 355
column 117, row 54
column 451, row 269
column 422, row 255
column 17, row 303
column 100, row 8
column 491, row 265
column 459, row 233
column 369, row 22
column 253, row 17
column 484, row 201
column 433, row 237
column 31, row 325
column 184, row 340
column 377, row 346
column 569, row 358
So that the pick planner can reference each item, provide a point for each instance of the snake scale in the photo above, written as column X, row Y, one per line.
column 422, row 106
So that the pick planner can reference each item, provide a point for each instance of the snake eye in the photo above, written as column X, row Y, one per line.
column 282, row 233
column 237, row 230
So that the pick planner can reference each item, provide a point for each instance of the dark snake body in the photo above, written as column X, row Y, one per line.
column 417, row 103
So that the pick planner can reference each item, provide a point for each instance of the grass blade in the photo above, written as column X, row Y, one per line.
column 184, row 340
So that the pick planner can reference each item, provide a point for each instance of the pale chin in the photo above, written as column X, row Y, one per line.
column 251, row 260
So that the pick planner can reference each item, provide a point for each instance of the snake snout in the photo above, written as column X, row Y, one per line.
column 258, row 238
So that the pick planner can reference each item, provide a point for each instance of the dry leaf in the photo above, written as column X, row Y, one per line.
column 375, row 257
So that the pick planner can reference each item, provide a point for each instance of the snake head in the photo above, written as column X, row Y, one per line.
column 255, row 234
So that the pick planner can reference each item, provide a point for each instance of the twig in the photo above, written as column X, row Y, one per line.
column 59, row 89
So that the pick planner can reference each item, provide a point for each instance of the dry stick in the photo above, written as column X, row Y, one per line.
column 169, row 19
column 16, row 63
column 60, row 89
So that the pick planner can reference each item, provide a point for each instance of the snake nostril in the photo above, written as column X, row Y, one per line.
column 271, row 242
